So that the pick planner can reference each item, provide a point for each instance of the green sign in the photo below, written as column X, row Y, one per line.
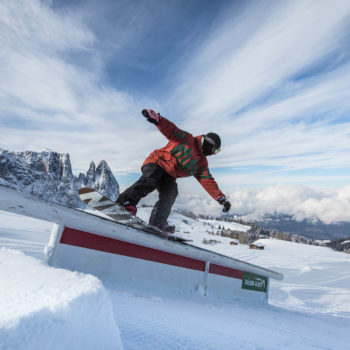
column 255, row 282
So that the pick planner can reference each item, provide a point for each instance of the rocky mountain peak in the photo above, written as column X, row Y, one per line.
column 91, row 173
column 49, row 175
column 101, row 179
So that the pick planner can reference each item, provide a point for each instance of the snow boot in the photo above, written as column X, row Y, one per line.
column 170, row 229
column 130, row 208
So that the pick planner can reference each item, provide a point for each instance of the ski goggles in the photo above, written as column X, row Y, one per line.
column 216, row 149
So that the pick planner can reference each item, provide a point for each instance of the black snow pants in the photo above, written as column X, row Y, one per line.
column 153, row 177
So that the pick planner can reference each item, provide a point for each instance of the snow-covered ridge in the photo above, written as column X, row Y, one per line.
column 48, row 175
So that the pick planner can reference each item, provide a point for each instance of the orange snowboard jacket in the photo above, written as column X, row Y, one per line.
column 183, row 156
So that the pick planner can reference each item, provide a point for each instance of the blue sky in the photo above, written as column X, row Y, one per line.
column 272, row 78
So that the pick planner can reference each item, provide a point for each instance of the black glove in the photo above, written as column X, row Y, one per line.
column 151, row 116
column 227, row 205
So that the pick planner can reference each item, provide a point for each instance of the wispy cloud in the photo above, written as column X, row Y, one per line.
column 50, row 99
column 273, row 80
column 259, row 49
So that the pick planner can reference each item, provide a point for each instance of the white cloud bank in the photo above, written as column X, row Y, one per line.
column 302, row 202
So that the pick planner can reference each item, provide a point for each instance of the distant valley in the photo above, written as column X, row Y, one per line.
column 314, row 229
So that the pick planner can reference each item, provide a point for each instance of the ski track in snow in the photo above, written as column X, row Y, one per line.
column 199, row 323
column 310, row 309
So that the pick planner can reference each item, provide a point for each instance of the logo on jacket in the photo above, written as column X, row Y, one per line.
column 183, row 155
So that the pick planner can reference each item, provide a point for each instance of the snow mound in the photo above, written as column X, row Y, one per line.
column 44, row 305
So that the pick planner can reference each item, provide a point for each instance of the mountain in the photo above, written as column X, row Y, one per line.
column 100, row 178
column 48, row 175
column 314, row 229
column 341, row 245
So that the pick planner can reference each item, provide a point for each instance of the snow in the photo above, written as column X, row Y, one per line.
column 317, row 279
column 46, row 307
column 309, row 309
column 24, row 233
column 258, row 244
column 321, row 241
column 199, row 323
column 227, row 225
column 197, row 230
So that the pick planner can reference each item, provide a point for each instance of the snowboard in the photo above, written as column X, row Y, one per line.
column 98, row 201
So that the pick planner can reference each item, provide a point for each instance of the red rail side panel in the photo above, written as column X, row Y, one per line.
column 110, row 245
column 225, row 271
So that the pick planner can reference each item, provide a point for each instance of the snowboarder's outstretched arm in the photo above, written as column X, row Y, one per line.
column 166, row 127
column 210, row 185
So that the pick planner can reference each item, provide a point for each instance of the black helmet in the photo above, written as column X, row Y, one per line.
column 211, row 143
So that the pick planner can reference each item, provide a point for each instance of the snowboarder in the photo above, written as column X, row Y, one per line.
column 184, row 155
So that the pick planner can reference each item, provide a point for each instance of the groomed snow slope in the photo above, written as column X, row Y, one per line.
column 160, row 321
column 151, row 322
column 47, row 308
column 317, row 279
